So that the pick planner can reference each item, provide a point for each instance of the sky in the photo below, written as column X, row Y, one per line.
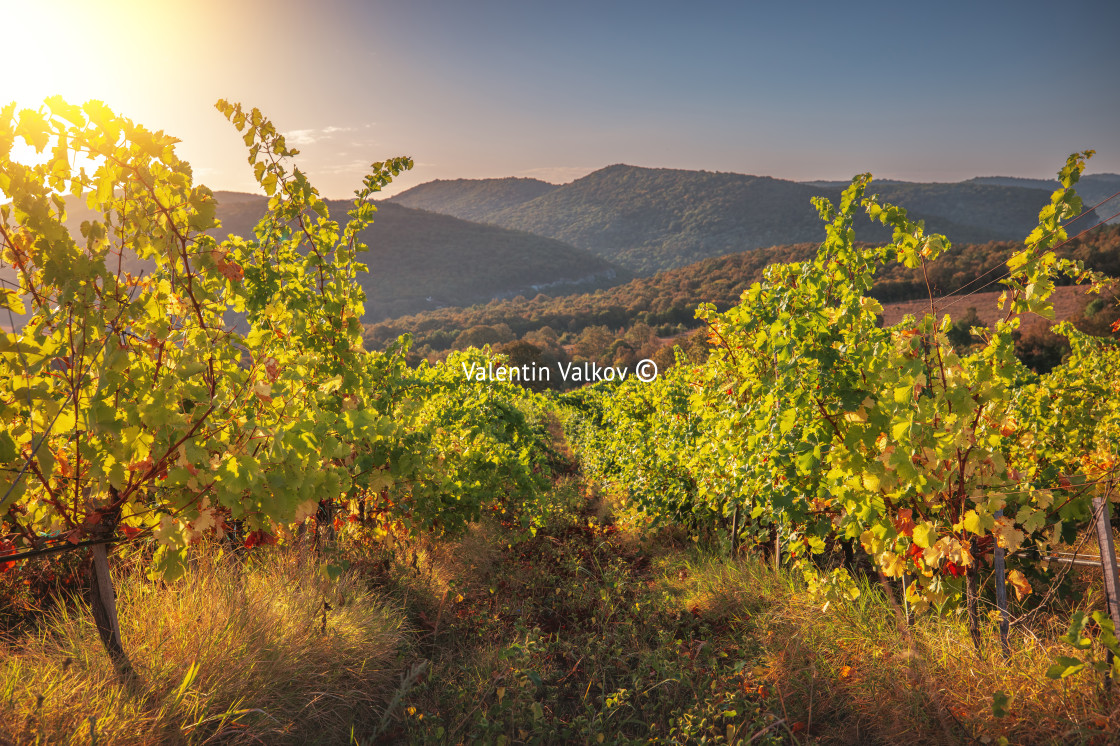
column 491, row 88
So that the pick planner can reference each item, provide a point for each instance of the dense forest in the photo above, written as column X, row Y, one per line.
column 651, row 219
column 421, row 260
column 632, row 320
column 1093, row 188
column 473, row 199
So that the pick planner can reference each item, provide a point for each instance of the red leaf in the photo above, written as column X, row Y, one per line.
column 7, row 547
column 903, row 524
column 258, row 537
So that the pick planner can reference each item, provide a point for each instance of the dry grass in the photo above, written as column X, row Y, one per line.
column 857, row 673
column 585, row 620
column 230, row 653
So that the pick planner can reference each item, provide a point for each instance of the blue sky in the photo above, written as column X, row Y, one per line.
column 800, row 90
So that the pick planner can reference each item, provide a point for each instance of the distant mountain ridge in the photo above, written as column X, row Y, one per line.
column 667, row 301
column 651, row 219
column 420, row 260
column 1093, row 188
column 474, row 199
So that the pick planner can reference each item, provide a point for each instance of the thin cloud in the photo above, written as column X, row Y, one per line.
column 357, row 165
column 314, row 135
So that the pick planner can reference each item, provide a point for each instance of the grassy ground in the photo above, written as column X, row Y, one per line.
column 236, row 652
column 573, row 636
column 586, row 632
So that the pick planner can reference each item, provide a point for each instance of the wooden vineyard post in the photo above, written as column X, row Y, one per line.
column 1108, row 565
column 907, row 611
column 735, row 533
column 103, row 603
column 777, row 549
column 972, row 596
column 1001, row 597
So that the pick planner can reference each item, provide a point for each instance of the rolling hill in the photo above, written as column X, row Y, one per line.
column 651, row 219
column 1093, row 188
column 421, row 260
column 473, row 199
column 667, row 301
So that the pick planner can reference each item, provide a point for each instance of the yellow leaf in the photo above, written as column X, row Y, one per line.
column 975, row 523
column 10, row 299
column 1007, row 536
column 871, row 304
column 893, row 565
column 1020, row 583
column 959, row 554
column 925, row 534
column 331, row 384
column 916, row 597
column 936, row 552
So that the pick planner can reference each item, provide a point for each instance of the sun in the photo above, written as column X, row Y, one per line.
column 81, row 51
column 109, row 50
column 49, row 49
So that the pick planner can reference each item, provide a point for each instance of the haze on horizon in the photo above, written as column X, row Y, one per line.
column 495, row 88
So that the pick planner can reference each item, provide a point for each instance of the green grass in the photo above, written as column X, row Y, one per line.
column 574, row 636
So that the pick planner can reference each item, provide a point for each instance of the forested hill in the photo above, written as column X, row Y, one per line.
column 473, row 199
column 1093, row 188
column 655, row 219
column 421, row 260
column 651, row 219
column 667, row 301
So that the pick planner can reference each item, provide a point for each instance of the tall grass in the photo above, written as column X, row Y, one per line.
column 264, row 649
column 858, row 672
